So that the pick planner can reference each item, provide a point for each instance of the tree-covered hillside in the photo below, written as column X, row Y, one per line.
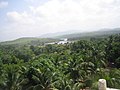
column 71, row 66
column 29, row 41
column 94, row 34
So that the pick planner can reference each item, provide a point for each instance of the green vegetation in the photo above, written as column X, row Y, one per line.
column 29, row 41
column 95, row 34
column 72, row 66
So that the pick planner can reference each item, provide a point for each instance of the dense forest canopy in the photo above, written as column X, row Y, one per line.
column 71, row 66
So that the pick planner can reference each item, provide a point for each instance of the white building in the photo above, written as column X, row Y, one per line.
column 63, row 41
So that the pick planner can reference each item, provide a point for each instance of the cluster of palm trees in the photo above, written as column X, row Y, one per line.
column 72, row 66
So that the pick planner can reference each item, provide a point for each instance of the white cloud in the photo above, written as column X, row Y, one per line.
column 20, row 18
column 31, row 1
column 3, row 4
column 60, row 15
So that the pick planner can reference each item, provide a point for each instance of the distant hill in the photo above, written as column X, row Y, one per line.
column 94, row 34
column 53, row 37
column 29, row 41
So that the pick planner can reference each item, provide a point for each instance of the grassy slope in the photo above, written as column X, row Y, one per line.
column 28, row 40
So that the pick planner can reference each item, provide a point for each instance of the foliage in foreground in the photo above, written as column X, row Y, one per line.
column 74, row 66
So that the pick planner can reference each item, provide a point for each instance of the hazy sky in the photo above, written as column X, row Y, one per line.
column 20, row 18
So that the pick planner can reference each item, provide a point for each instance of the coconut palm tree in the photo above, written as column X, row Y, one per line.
column 13, row 78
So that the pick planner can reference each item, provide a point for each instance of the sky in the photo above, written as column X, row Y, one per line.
column 33, row 18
